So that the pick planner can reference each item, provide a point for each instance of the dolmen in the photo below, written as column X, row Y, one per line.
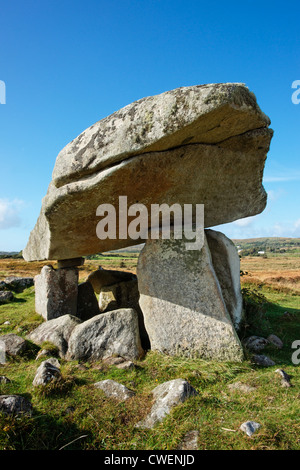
column 201, row 146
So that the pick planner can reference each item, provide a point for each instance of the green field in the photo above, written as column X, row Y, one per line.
column 74, row 415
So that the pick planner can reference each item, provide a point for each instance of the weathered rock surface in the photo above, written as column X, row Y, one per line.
column 262, row 360
column 48, row 371
column 4, row 379
column 14, row 344
column 285, row 378
column 107, row 277
column 124, row 295
column 56, row 331
column 255, row 343
column 18, row 284
column 166, row 396
column 107, row 334
column 190, row 441
column 275, row 341
column 15, row 405
column 119, row 362
column 56, row 292
column 216, row 133
column 182, row 302
column 226, row 263
column 87, row 303
column 6, row 296
column 241, row 387
column 113, row 389
column 250, row 427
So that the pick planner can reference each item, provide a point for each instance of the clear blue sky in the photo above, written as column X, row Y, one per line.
column 66, row 64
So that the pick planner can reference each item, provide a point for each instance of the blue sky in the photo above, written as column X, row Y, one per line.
column 67, row 64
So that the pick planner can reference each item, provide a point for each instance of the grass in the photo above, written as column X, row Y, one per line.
column 73, row 414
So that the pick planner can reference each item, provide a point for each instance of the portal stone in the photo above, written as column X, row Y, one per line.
column 56, row 292
column 182, row 302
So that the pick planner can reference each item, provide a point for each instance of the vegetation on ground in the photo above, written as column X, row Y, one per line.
column 73, row 414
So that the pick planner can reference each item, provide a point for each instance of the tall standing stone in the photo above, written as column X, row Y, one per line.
column 56, row 292
column 182, row 302
column 226, row 263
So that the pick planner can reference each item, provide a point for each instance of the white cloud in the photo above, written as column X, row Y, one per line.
column 10, row 213
column 291, row 175
column 245, row 222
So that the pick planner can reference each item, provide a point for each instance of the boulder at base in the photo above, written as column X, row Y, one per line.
column 113, row 333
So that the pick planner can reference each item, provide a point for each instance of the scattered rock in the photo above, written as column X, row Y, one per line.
column 241, row 387
column 114, row 389
column 18, row 284
column 14, row 344
column 255, row 343
column 44, row 353
column 166, row 396
column 262, row 360
column 56, row 292
column 108, row 334
column 190, row 441
column 56, row 331
column 6, row 296
column 273, row 339
column 184, row 311
column 7, row 322
column 119, row 362
column 87, row 303
column 15, row 405
column 126, row 365
column 113, row 360
column 2, row 285
column 285, row 378
column 4, row 380
column 48, row 371
column 250, row 427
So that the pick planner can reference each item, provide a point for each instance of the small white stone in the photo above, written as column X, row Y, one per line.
column 250, row 427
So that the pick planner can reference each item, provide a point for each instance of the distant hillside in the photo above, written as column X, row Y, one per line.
column 10, row 254
column 260, row 246
column 250, row 246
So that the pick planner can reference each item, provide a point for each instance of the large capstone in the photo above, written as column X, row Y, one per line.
column 203, row 144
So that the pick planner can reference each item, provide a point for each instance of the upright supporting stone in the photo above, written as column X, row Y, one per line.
column 226, row 263
column 70, row 263
column 56, row 292
column 182, row 302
